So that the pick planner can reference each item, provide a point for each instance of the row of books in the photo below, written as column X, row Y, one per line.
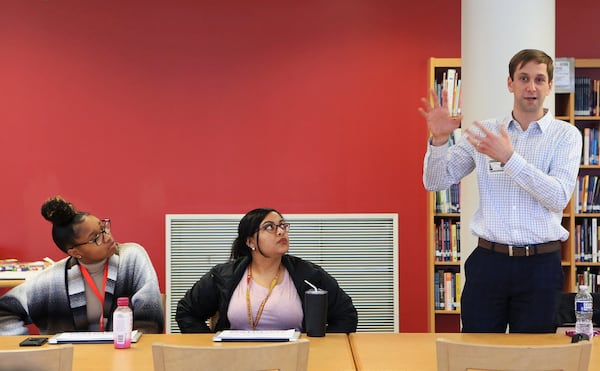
column 446, row 287
column 590, row 151
column 448, row 200
column 586, row 240
column 589, row 279
column 447, row 240
column 452, row 84
column 586, row 96
column 587, row 194
column 14, row 265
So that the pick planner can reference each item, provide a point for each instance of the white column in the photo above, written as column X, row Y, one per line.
column 492, row 32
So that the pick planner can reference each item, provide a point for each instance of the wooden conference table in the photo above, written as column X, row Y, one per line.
column 416, row 351
column 328, row 353
column 334, row 352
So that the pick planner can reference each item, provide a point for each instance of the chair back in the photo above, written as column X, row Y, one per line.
column 285, row 356
column 455, row 356
column 49, row 358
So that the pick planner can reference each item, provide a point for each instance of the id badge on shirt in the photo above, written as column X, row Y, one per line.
column 495, row 167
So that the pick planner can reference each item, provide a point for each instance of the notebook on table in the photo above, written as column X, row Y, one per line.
column 257, row 335
column 90, row 337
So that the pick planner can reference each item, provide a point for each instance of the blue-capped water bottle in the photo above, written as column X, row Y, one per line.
column 583, row 312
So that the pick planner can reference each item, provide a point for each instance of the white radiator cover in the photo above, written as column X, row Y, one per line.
column 359, row 250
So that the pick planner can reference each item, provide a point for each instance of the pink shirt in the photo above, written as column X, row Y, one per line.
column 282, row 311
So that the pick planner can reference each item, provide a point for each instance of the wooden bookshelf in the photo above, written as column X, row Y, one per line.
column 449, row 320
column 589, row 68
column 440, row 320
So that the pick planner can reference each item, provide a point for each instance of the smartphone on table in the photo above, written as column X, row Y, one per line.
column 33, row 342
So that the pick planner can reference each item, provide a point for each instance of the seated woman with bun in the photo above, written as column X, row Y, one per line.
column 79, row 292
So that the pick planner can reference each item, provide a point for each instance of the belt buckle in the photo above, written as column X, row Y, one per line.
column 511, row 252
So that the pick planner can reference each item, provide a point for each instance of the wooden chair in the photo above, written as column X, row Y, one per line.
column 455, row 356
column 288, row 356
column 49, row 358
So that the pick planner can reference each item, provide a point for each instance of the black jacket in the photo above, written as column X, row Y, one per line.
column 212, row 293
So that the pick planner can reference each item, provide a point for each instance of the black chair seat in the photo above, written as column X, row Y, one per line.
column 566, row 310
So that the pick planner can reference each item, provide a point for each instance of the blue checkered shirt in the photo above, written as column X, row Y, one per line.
column 522, row 201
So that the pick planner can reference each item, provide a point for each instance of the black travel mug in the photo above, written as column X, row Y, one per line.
column 315, row 312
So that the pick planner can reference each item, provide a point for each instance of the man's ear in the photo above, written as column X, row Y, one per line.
column 509, row 83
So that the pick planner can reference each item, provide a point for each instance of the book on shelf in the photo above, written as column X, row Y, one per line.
column 590, row 150
column 587, row 99
column 458, row 257
column 586, row 146
column 589, row 278
column 577, row 243
column 451, row 83
column 453, row 243
column 448, row 200
column 440, row 295
column 447, row 240
column 436, row 290
column 448, row 291
column 594, row 240
column 457, row 283
column 596, row 98
column 582, row 96
column 586, row 198
column 586, row 236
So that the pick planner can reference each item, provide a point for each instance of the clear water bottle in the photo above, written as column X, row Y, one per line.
column 583, row 312
column 122, row 324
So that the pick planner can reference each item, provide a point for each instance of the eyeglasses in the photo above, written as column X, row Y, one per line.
column 99, row 239
column 272, row 227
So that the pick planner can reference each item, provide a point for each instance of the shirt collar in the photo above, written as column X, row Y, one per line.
column 543, row 123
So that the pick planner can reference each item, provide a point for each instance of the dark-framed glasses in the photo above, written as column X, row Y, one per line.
column 272, row 227
column 99, row 238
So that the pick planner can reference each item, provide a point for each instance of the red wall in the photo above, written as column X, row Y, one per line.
column 136, row 109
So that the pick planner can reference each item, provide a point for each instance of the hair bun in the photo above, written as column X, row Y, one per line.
column 58, row 211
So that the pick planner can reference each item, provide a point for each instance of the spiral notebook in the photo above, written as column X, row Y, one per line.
column 257, row 335
column 90, row 337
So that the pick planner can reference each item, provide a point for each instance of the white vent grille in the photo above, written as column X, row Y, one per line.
column 359, row 250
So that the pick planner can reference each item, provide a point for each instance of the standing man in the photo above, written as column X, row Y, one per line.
column 526, row 166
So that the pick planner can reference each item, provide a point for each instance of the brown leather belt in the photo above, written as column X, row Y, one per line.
column 520, row 250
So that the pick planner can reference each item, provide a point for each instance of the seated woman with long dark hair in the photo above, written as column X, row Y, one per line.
column 261, row 287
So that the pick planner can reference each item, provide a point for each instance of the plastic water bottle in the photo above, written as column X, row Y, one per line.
column 583, row 312
column 122, row 324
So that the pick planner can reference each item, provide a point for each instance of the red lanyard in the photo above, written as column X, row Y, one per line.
column 90, row 281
